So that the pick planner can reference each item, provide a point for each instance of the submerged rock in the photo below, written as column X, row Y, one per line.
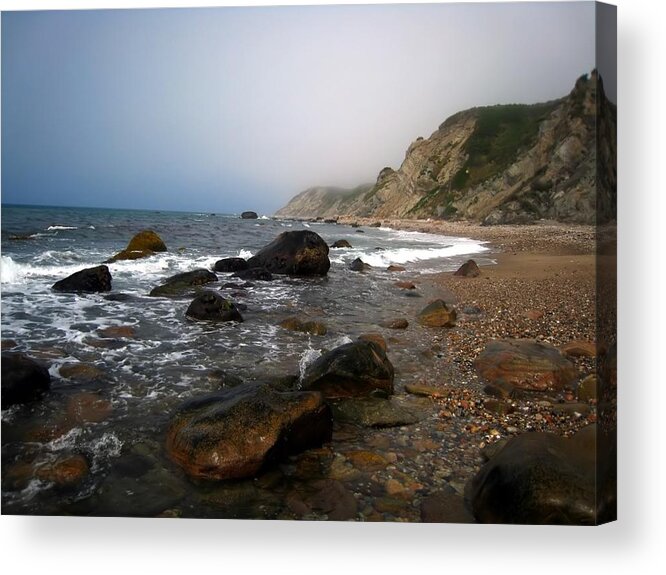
column 341, row 244
column 437, row 314
column 311, row 327
column 211, row 306
column 358, row 265
column 257, row 274
column 142, row 245
column 355, row 369
column 236, row 433
column 299, row 253
column 230, row 265
column 395, row 268
column 183, row 282
column 89, row 280
column 525, row 364
column 23, row 379
column 541, row 478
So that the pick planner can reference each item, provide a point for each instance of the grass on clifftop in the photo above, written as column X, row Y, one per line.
column 500, row 133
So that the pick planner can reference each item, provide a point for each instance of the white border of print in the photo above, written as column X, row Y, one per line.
column 633, row 544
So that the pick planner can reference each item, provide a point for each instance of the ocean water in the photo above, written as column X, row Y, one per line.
column 170, row 358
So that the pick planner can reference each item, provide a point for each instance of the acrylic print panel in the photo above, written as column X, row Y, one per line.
column 310, row 263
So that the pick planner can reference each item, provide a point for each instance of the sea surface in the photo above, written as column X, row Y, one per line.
column 168, row 358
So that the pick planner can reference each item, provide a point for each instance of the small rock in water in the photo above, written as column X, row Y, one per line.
column 358, row 265
column 468, row 270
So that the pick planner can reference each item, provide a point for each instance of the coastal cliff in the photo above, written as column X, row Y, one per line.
column 501, row 164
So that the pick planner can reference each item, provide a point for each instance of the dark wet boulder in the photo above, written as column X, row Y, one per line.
column 375, row 337
column 525, row 364
column 298, row 253
column 356, row 369
column 376, row 225
column 341, row 244
column 437, row 314
column 542, row 478
column 395, row 268
column 468, row 270
column 249, row 215
column 227, row 265
column 183, row 283
column 358, row 265
column 310, row 326
column 89, row 280
column 257, row 274
column 23, row 379
column 211, row 306
column 142, row 245
column 238, row 432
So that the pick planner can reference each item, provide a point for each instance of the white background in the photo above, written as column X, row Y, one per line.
column 633, row 544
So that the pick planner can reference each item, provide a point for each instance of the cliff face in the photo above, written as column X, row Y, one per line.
column 497, row 164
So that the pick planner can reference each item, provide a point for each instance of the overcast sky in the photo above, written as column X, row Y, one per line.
column 227, row 109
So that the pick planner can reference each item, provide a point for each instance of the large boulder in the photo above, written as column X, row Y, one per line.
column 299, row 253
column 142, row 245
column 183, row 282
column 437, row 314
column 542, row 478
column 355, row 369
column 23, row 379
column 89, row 280
column 230, row 265
column 237, row 432
column 525, row 364
column 257, row 274
column 358, row 265
column 341, row 244
column 211, row 306
column 249, row 215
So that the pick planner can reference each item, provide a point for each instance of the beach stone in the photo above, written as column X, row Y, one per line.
column 311, row 327
column 341, row 244
column 360, row 231
column 374, row 337
column 579, row 348
column 587, row 388
column 23, row 379
column 426, row 390
column 237, row 432
column 81, row 372
column 399, row 323
column 211, row 306
column 358, row 265
column 298, row 253
column 355, row 369
column 437, row 314
column 334, row 500
column 257, row 274
column 445, row 506
column 376, row 225
column 525, row 364
column 538, row 478
column 183, row 282
column 249, row 215
column 395, row 268
column 374, row 412
column 501, row 389
column 89, row 280
column 230, row 265
column 144, row 244
column 405, row 285
column 123, row 331
column 468, row 270
column 534, row 314
column 366, row 461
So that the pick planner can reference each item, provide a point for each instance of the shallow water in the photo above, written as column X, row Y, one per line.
column 169, row 358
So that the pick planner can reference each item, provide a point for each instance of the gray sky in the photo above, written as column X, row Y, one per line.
column 229, row 109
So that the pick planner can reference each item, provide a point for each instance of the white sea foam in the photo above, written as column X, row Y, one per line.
column 245, row 254
column 306, row 359
column 54, row 228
